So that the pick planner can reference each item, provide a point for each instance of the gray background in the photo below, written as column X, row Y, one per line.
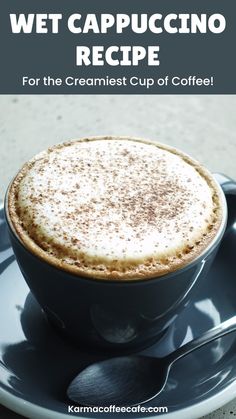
column 203, row 126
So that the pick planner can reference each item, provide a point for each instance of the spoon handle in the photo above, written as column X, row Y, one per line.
column 223, row 329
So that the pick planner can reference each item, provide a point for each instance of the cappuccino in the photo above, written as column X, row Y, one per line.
column 115, row 208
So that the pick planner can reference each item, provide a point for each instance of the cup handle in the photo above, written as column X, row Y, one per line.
column 228, row 186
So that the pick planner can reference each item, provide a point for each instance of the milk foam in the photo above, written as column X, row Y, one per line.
column 114, row 202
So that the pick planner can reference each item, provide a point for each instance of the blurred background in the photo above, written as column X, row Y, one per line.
column 203, row 126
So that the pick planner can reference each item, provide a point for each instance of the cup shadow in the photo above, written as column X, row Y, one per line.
column 43, row 365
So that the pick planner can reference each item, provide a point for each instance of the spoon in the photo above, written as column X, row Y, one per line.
column 133, row 380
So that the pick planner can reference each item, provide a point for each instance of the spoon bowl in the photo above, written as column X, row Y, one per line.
column 121, row 381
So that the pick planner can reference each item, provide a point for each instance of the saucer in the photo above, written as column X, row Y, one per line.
column 36, row 364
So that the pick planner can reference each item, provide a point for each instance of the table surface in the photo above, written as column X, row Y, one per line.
column 203, row 126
